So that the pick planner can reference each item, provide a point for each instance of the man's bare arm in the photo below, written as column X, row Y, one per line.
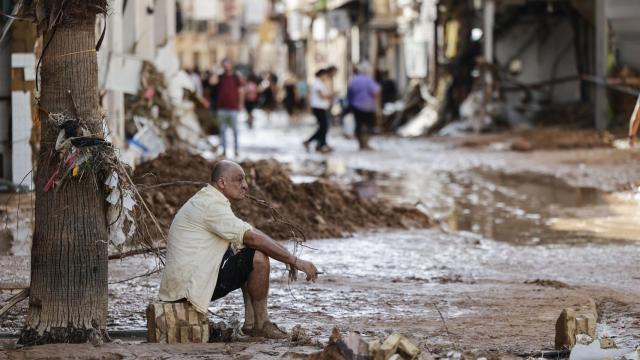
column 276, row 242
column 256, row 239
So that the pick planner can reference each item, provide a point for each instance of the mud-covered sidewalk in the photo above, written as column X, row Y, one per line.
column 521, row 236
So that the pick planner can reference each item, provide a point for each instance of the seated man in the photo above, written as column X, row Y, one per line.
column 210, row 252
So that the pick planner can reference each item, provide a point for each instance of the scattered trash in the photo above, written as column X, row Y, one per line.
column 299, row 336
column 147, row 143
column 583, row 339
column 120, row 213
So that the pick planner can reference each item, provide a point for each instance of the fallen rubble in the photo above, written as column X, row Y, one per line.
column 354, row 347
column 321, row 209
column 543, row 139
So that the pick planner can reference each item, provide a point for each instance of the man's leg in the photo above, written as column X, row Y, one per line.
column 257, row 288
column 324, row 128
column 249, row 315
column 234, row 128
column 222, row 121
column 249, row 270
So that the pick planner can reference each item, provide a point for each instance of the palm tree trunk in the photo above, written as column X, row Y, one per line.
column 68, row 298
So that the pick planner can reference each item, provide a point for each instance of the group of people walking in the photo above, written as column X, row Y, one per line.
column 230, row 92
column 362, row 100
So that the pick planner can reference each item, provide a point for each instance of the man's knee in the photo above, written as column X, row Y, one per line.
column 260, row 261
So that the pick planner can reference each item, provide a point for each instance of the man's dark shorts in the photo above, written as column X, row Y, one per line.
column 234, row 272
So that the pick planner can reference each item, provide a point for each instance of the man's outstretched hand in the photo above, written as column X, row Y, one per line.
column 306, row 267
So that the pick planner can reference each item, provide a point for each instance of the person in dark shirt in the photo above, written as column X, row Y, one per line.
column 230, row 101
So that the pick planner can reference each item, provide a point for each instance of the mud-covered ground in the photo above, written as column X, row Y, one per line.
column 566, row 217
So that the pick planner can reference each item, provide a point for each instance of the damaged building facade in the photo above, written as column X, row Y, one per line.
column 516, row 63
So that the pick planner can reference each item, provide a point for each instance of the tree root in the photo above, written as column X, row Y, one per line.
column 70, row 334
column 14, row 300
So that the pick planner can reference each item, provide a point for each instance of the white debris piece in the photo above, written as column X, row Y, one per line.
column 584, row 339
column 127, row 201
column 114, row 197
column 594, row 352
column 112, row 180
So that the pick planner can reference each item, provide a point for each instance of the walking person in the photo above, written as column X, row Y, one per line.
column 290, row 97
column 252, row 95
column 320, row 101
column 302, row 89
column 363, row 99
column 268, row 96
column 230, row 101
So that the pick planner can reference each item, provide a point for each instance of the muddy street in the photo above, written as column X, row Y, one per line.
column 517, row 241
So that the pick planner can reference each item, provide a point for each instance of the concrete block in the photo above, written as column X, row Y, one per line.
column 566, row 329
column 408, row 349
column 176, row 323
column 573, row 321
column 389, row 346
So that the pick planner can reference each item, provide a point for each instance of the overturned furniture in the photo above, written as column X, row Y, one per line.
column 178, row 322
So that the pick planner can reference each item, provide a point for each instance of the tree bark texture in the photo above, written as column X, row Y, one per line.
column 68, row 300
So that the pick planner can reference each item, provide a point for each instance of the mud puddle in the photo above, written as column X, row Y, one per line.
column 521, row 208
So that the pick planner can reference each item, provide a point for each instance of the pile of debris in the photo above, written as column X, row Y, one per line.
column 352, row 347
column 320, row 209
column 162, row 111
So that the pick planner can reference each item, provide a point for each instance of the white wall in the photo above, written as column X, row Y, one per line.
column 5, row 106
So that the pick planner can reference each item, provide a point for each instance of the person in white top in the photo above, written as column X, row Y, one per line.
column 320, row 100
column 210, row 252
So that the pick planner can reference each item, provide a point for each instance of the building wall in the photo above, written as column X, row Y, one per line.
column 624, row 17
column 5, row 109
column 136, row 35
column 540, row 59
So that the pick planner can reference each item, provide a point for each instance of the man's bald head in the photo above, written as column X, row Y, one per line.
column 222, row 168
column 228, row 177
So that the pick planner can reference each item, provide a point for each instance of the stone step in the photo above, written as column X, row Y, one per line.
column 179, row 322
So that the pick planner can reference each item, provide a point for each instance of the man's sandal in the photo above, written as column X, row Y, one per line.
column 269, row 331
